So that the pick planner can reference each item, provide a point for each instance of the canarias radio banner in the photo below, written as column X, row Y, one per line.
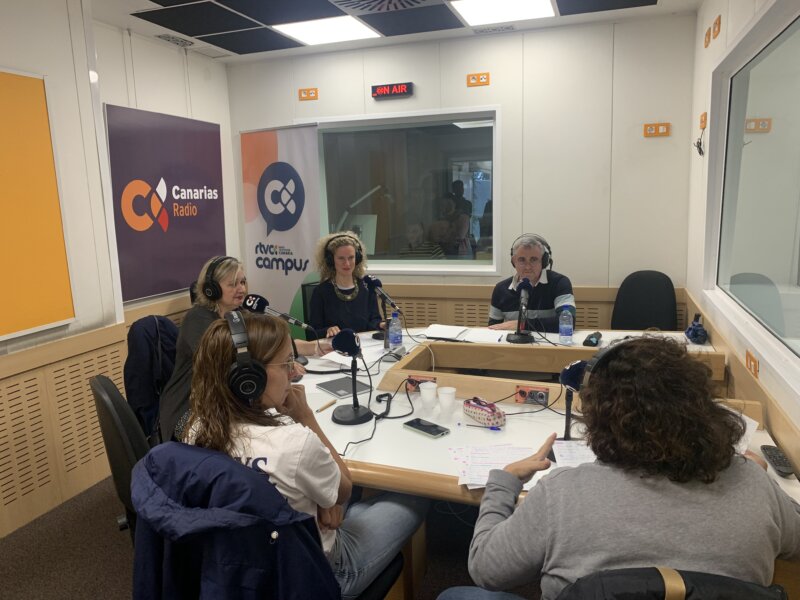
column 280, row 171
column 166, row 180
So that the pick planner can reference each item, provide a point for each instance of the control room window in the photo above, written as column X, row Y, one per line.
column 759, row 254
column 416, row 192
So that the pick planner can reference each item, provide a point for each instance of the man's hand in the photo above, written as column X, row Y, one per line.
column 330, row 518
column 506, row 326
column 525, row 468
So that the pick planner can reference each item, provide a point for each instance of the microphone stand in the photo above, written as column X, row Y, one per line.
column 355, row 414
column 521, row 336
column 567, row 423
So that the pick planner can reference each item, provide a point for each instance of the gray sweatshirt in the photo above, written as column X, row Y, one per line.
column 594, row 517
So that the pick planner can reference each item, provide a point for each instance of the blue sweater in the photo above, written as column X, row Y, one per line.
column 548, row 300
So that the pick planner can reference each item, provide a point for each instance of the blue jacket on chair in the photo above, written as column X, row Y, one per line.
column 209, row 527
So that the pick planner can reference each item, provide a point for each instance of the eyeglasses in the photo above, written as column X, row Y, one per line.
column 289, row 364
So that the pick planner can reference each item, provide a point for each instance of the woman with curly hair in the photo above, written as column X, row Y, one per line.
column 668, row 487
column 273, row 431
column 341, row 300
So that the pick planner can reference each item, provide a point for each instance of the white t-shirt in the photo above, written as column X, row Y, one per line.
column 296, row 462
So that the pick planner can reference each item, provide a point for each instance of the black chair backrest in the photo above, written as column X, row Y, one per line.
column 645, row 299
column 306, row 290
column 647, row 583
column 760, row 295
column 123, row 437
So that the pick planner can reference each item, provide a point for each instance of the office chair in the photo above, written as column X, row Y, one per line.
column 209, row 527
column 150, row 362
column 759, row 294
column 306, row 291
column 651, row 583
column 645, row 299
column 124, row 440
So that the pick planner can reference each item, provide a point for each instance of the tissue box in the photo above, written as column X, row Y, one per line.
column 485, row 413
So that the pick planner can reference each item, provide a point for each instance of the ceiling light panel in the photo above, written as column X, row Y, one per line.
column 327, row 31
column 481, row 12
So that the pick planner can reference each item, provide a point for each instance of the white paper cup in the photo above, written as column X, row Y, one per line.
column 447, row 394
column 427, row 391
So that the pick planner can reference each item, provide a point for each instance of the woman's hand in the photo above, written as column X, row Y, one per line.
column 505, row 326
column 296, row 405
column 525, row 468
column 330, row 518
column 332, row 331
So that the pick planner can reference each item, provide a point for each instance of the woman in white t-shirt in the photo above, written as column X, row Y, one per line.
column 273, row 430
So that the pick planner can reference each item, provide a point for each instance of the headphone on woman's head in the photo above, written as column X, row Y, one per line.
column 247, row 379
column 211, row 288
column 547, row 256
column 329, row 253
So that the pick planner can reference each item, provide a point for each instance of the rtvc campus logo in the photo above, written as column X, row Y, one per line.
column 281, row 198
column 141, row 215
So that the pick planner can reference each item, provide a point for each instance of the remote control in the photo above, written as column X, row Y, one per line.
column 778, row 460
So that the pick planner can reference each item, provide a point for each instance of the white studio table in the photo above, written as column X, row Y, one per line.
column 402, row 460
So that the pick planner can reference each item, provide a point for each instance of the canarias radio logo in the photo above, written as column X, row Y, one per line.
column 142, row 206
column 155, row 210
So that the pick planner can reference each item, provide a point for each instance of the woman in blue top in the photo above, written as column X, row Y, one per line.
column 341, row 300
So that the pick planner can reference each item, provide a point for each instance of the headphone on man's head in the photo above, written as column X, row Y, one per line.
column 211, row 288
column 247, row 379
column 547, row 255
column 329, row 253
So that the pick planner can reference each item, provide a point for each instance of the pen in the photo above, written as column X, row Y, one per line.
column 324, row 406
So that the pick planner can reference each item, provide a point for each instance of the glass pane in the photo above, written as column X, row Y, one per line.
column 414, row 192
column 759, row 263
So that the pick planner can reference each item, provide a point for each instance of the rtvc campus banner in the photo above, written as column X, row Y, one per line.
column 280, row 170
column 166, row 180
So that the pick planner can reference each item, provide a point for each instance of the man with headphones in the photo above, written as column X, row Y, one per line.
column 532, row 259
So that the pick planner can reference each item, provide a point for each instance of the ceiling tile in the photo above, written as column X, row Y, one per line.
column 576, row 7
column 252, row 40
column 278, row 12
column 413, row 20
column 200, row 18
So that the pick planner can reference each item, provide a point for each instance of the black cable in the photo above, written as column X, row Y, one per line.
column 377, row 417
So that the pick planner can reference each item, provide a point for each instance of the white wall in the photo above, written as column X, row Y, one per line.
column 573, row 164
column 46, row 38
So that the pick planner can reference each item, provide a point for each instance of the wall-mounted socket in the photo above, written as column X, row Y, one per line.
column 751, row 362
column 716, row 26
column 707, row 38
column 703, row 120
column 532, row 394
column 477, row 79
column 304, row 94
column 412, row 385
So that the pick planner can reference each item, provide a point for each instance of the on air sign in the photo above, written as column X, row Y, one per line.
column 392, row 90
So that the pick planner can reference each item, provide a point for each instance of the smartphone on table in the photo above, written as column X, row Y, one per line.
column 426, row 428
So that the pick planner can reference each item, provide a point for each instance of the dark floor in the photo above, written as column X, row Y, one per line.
column 76, row 551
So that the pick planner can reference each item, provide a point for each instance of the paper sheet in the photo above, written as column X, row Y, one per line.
column 572, row 453
column 444, row 331
column 483, row 335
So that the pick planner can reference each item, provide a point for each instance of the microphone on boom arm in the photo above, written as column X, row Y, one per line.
column 259, row 304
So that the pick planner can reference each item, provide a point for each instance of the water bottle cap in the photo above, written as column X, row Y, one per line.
column 394, row 314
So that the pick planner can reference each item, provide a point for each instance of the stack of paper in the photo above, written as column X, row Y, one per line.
column 450, row 332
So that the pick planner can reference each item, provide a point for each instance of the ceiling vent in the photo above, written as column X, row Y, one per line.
column 489, row 30
column 174, row 39
column 365, row 7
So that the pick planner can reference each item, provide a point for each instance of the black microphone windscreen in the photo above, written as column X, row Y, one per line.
column 255, row 303
column 372, row 282
column 346, row 342
column 525, row 284
column 572, row 375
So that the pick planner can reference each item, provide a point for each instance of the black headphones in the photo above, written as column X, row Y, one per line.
column 600, row 359
column 329, row 253
column 547, row 256
column 246, row 379
column 212, row 289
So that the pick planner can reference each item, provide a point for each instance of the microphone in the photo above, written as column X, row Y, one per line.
column 288, row 318
column 255, row 303
column 521, row 336
column 373, row 283
column 346, row 342
column 571, row 377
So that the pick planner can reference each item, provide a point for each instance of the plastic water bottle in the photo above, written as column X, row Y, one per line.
column 565, row 327
column 395, row 332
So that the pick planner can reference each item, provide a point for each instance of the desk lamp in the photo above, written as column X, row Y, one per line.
column 346, row 342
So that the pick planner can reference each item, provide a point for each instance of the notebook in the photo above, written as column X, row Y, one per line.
column 342, row 387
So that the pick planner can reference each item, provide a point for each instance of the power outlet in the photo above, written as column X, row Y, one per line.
column 532, row 394
column 412, row 385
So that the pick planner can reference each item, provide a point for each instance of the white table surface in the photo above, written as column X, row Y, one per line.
column 395, row 446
